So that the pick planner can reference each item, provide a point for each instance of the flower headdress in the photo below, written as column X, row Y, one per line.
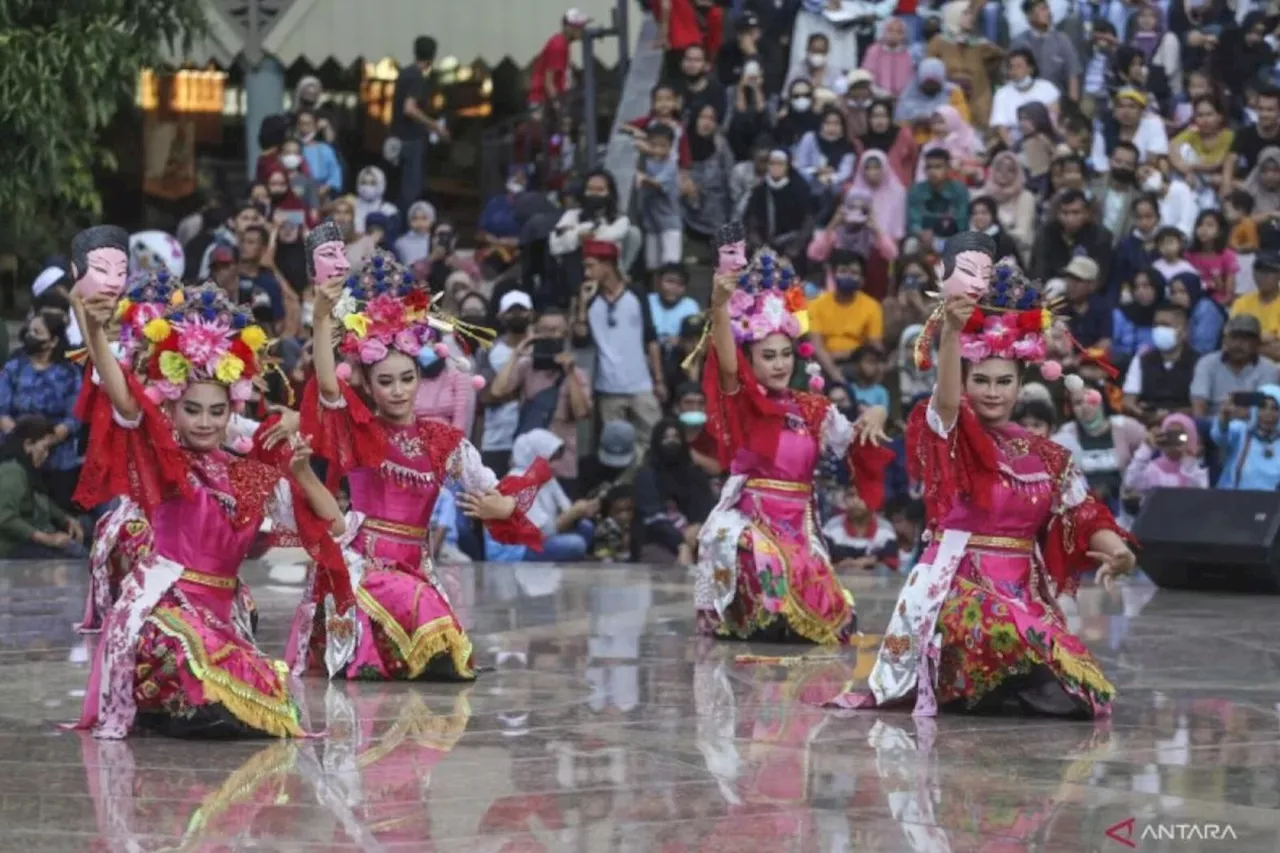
column 174, row 337
column 382, row 309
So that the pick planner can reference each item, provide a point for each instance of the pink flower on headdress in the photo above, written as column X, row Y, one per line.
column 1030, row 349
column 760, row 327
column 384, row 310
column 144, row 312
column 241, row 390
column 774, row 308
column 350, row 345
column 168, row 390
column 372, row 351
column 203, row 342
column 974, row 348
column 740, row 303
column 407, row 342
column 790, row 326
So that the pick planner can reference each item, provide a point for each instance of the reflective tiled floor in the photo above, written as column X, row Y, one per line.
column 607, row 727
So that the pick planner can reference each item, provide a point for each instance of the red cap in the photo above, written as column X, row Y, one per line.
column 601, row 250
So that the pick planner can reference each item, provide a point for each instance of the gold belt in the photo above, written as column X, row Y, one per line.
column 1003, row 543
column 779, row 485
column 215, row 581
column 381, row 525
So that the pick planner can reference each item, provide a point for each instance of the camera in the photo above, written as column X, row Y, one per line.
column 545, row 351
column 1171, row 439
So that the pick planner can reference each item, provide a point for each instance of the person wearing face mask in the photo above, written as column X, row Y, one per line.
column 1100, row 442
column 415, row 244
column 843, row 318
column 817, row 67
column 322, row 160
column 499, row 228
column 298, row 173
column 371, row 189
column 1024, row 86
column 445, row 394
column 598, row 217
column 1159, row 380
column 39, row 380
column 926, row 94
column 1178, row 205
column 1115, row 191
column 691, row 410
column 697, row 86
column 673, row 498
column 797, row 116
column 779, row 211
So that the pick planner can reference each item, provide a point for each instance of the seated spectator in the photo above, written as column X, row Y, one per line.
column 1249, row 441
column 908, row 306
column 1172, row 262
column 1178, row 205
column 854, row 228
column 664, row 108
column 1132, row 322
column 285, row 205
column 924, row 95
column 709, row 205
column 444, row 530
column 968, row 57
column 1264, row 303
column 1024, row 86
column 658, row 185
column 691, row 410
column 875, row 177
column 1236, row 368
column 553, row 392
column 301, row 184
column 673, row 498
column 906, row 514
column 1114, row 192
column 938, row 206
column 1071, row 235
column 670, row 305
column 750, row 111
column 825, row 157
column 697, row 86
column 1237, row 209
column 683, row 362
column 1129, row 122
column 40, row 380
column 1198, row 152
column 444, row 263
column 322, row 160
column 445, row 393
column 947, row 130
column 866, row 377
column 501, row 416
column 1263, row 184
column 1015, row 204
column 889, row 60
column 983, row 213
column 1214, row 261
column 613, row 542
column 859, row 538
column 816, row 67
column 750, row 174
column 1088, row 314
column 778, row 212
column 797, row 116
column 843, row 318
column 499, row 230
column 1101, row 443
column 614, row 462
column 1036, row 417
column 897, row 153
column 32, row 527
column 1159, row 379
column 1205, row 317
column 1056, row 55
column 913, row 383
column 567, row 527
column 415, row 244
column 1169, row 459
column 1138, row 248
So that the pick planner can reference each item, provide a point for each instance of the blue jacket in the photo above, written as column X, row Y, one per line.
column 1249, row 461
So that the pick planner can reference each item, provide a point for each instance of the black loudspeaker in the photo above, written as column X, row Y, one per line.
column 1210, row 539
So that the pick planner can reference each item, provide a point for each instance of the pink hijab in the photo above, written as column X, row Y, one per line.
column 889, row 200
column 892, row 70
column 1003, row 193
column 1188, row 428
column 961, row 140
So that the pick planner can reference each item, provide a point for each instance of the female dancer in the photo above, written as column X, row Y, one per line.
column 395, row 463
column 176, row 654
column 1011, row 523
column 763, row 570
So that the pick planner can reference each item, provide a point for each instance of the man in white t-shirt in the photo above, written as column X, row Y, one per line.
column 1024, row 87
column 1144, row 129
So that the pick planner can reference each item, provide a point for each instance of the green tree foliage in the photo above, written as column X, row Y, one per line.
column 66, row 68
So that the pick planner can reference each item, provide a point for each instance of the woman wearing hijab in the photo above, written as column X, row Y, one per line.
column 415, row 244
column 797, row 117
column 673, row 498
column 1158, row 47
column 1205, row 317
column 929, row 91
column 954, row 135
column 779, row 211
column 1243, row 53
column 889, row 60
column 712, row 166
column 983, row 216
column 1263, row 184
column 854, row 228
column 888, row 195
column 371, row 191
column 1015, row 204
column 1132, row 322
column 565, row 525
column 825, row 156
column 894, row 141
column 1169, row 459
column 967, row 57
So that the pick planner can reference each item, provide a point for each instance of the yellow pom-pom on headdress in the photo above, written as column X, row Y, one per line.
column 177, row 298
column 254, row 338
column 357, row 323
column 229, row 369
column 174, row 367
column 157, row 330
column 123, row 306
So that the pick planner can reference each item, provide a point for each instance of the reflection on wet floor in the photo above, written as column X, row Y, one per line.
column 606, row 726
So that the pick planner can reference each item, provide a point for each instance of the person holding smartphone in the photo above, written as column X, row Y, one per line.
column 1246, row 432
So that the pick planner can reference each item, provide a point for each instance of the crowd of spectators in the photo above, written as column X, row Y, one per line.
column 1128, row 154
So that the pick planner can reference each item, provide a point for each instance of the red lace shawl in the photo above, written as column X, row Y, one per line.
column 353, row 437
column 963, row 466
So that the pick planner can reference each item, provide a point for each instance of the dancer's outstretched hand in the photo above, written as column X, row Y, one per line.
column 869, row 427
column 283, row 429
column 1110, row 565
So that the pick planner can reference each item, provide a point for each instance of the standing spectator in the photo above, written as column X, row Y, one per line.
column 549, row 79
column 501, row 416
column 670, row 304
column 411, row 122
column 1263, row 304
column 39, row 380
column 1236, row 368
column 552, row 391
column 967, row 57
column 322, row 161
column 301, row 184
column 734, row 57
column 750, row 111
column 445, row 393
column 778, row 212
column 1072, row 235
column 684, row 23
column 697, row 86
column 598, row 218
column 1159, row 380
column 258, row 275
column 889, row 60
column 843, row 318
column 371, row 192
column 1056, row 57
column 1088, row 313
column 31, row 525
column 415, row 244
column 673, row 498
column 629, row 382
column 657, row 179
column 567, row 527
column 1024, row 86
column 938, row 206
column 709, row 205
column 1249, row 442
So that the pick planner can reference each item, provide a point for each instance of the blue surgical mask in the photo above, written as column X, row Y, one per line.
column 693, row 419
column 1165, row 338
column 427, row 357
column 913, row 282
column 848, row 283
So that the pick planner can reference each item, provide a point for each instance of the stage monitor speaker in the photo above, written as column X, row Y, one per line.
column 1210, row 539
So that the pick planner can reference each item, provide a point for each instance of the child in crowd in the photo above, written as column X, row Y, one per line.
column 1212, row 257
column 612, row 543
column 1237, row 207
column 658, row 182
column 1036, row 416
column 444, row 530
column 906, row 515
column 671, row 304
column 860, row 539
column 866, row 377
column 1171, row 244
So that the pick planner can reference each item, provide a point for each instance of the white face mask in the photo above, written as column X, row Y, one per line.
column 368, row 192
column 1024, row 84
column 515, row 187
column 291, row 161
column 801, row 105
column 991, row 229
column 1154, row 182
column 817, row 60
column 777, row 183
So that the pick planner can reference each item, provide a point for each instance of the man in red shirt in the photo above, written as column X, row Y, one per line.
column 550, row 77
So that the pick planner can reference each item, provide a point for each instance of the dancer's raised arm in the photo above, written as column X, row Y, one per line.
column 950, row 387
column 327, row 296
column 93, row 314
column 722, row 332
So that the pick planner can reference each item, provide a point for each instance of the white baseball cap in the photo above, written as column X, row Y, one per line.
column 576, row 18
column 515, row 299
